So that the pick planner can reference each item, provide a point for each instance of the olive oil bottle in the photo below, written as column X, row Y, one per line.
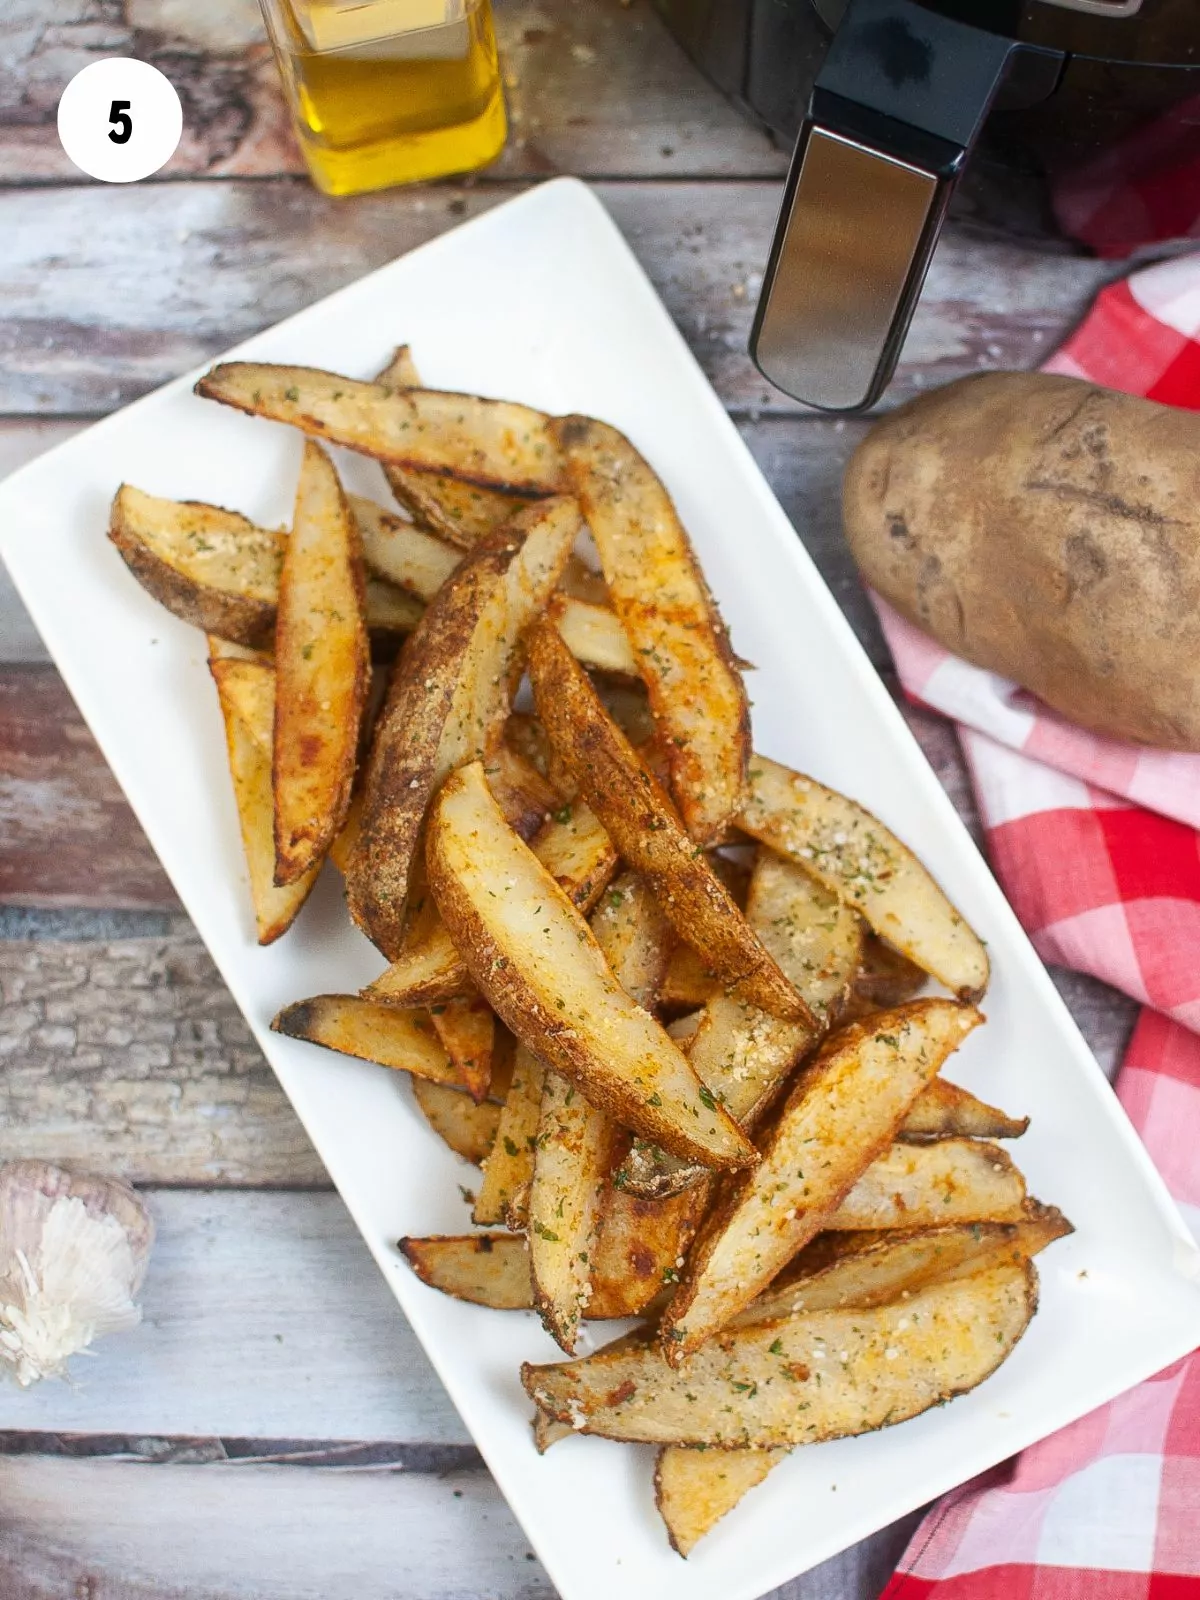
column 389, row 91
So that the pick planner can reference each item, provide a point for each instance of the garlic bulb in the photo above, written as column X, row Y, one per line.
column 73, row 1253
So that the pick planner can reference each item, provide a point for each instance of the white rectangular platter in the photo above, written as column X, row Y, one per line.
column 540, row 300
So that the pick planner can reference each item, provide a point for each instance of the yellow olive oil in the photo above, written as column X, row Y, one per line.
column 389, row 91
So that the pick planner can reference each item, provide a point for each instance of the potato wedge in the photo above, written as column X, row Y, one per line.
column 404, row 555
column 744, row 1054
column 211, row 567
column 687, row 985
column 671, row 621
column 322, row 670
column 537, row 962
column 925, row 1185
column 695, row 1487
column 946, row 1111
column 854, row 855
column 574, row 849
column 448, row 701
column 842, row 1113
column 469, row 1129
column 886, row 978
column 467, row 1029
column 249, row 718
column 646, row 828
column 546, row 1432
column 504, row 1193
column 488, row 1269
column 876, row 1268
column 576, row 1142
column 403, row 1040
column 822, row 1375
column 641, row 1248
column 594, row 635
column 496, row 443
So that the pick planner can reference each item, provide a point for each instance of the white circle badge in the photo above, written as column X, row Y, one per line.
column 119, row 120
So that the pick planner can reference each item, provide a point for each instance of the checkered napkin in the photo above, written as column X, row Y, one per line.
column 1097, row 844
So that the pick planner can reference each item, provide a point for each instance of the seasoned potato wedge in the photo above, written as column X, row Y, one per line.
column 578, row 855
column 822, row 1375
column 469, row 1129
column 594, row 635
column 488, row 1269
column 212, row 568
column 646, row 829
column 322, row 670
column 547, row 1432
column 671, row 621
column 406, row 556
column 641, row 1248
column 945, row 1111
column 885, row 977
column 504, row 1193
column 695, row 1487
column 924, row 1185
column 854, row 855
column 742, row 1053
column 249, row 718
column 576, row 1143
column 537, row 962
column 873, row 1269
column 687, row 984
column 448, row 701
column 492, row 442
column 842, row 1113
column 352, row 1026
column 467, row 1029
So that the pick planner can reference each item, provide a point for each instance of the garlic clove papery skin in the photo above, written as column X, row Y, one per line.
column 73, row 1253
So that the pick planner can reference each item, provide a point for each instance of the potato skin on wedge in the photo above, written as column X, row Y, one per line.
column 843, row 1111
column 488, row 1269
column 322, row 670
column 671, row 621
column 695, row 1487
column 447, row 702
column 824, row 1375
column 497, row 443
column 403, row 1040
column 538, row 963
column 852, row 853
column 646, row 828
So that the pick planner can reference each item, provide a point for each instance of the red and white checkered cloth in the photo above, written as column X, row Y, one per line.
column 1096, row 845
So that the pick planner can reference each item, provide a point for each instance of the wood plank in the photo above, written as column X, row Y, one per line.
column 597, row 89
column 108, row 292
column 100, row 1530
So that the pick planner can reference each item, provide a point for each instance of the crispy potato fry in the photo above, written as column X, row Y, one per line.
column 855, row 856
column 922, row 1186
column 670, row 619
column 403, row 1040
column 467, row 1029
column 496, row 443
column 469, row 1129
column 488, row 1269
column 461, row 512
column 695, row 1487
column 576, row 1143
column 212, row 568
column 688, row 984
column 322, row 670
column 877, row 1268
column 646, row 828
column 578, row 855
column 842, row 1113
column 886, row 978
column 742, row 1053
column 448, row 701
column 504, row 1194
column 249, row 718
column 406, row 556
column 946, row 1111
column 947, row 1339
column 594, row 635
column 641, row 1248
column 537, row 962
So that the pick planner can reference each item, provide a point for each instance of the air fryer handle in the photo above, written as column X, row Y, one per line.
column 894, row 113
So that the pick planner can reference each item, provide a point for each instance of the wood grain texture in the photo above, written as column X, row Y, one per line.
column 110, row 1530
column 596, row 89
column 108, row 292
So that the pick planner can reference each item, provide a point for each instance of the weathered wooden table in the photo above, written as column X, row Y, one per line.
column 273, row 1432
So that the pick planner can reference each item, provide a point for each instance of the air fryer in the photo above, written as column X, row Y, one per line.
column 900, row 108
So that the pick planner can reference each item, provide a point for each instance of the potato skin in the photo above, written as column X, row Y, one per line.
column 1049, row 530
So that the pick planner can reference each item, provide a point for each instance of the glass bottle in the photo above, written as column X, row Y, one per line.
column 389, row 91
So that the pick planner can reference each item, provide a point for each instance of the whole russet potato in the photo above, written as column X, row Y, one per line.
column 1049, row 530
